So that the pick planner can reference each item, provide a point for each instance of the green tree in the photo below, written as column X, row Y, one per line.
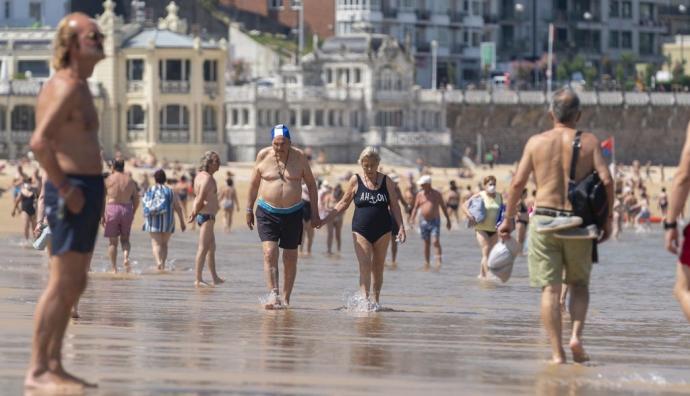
column 649, row 72
column 619, row 73
column 590, row 74
column 562, row 71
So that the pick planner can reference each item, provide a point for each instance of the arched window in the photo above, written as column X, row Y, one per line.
column 174, row 120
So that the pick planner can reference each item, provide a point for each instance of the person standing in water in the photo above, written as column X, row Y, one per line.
column 66, row 146
column 679, row 195
column 486, row 229
column 26, row 203
column 122, row 202
column 375, row 199
column 427, row 202
column 203, row 214
column 228, row 198
column 277, row 180
column 548, row 156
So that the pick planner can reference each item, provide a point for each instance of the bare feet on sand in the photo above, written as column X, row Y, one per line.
column 559, row 358
column 218, row 280
column 200, row 284
column 579, row 354
column 128, row 267
column 273, row 302
column 75, row 314
column 55, row 382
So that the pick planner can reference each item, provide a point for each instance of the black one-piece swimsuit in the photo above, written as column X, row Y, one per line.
column 372, row 219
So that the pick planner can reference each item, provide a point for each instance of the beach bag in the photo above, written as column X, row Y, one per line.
column 156, row 201
column 476, row 208
column 588, row 196
column 502, row 257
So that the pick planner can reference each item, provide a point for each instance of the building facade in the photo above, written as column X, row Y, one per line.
column 595, row 29
column 319, row 15
column 355, row 90
column 28, row 13
column 446, row 33
column 25, row 58
column 158, row 89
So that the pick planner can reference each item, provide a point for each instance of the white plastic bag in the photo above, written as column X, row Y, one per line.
column 502, row 257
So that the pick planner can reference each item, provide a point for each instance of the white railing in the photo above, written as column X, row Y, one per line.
column 174, row 136
column 21, row 136
column 174, row 86
column 506, row 97
column 209, row 137
column 636, row 98
column 135, row 86
column 136, row 135
column 210, row 87
column 440, row 138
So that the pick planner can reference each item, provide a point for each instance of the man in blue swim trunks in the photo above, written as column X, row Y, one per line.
column 203, row 214
column 428, row 202
column 66, row 145
column 277, row 181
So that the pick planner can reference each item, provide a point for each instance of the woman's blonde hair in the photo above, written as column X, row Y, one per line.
column 66, row 35
column 369, row 153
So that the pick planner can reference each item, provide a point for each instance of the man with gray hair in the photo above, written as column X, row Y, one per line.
column 548, row 155
column 203, row 214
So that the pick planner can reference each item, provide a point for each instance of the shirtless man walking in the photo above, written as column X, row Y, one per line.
column 277, row 181
column 428, row 202
column 548, row 156
column 203, row 214
column 66, row 145
column 122, row 202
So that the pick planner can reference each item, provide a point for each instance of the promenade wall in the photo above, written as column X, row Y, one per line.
column 646, row 127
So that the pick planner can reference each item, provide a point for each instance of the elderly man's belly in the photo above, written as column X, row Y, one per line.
column 279, row 194
column 80, row 159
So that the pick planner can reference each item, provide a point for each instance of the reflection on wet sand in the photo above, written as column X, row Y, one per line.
column 445, row 333
column 369, row 351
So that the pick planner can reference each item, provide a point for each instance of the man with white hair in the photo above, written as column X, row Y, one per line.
column 277, row 181
column 428, row 201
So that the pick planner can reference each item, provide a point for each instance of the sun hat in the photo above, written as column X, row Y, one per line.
column 425, row 179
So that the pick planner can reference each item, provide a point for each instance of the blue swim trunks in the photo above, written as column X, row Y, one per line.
column 429, row 228
column 201, row 218
column 75, row 232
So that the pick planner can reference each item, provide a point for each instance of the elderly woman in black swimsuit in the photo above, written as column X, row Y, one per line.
column 375, row 200
column 26, row 200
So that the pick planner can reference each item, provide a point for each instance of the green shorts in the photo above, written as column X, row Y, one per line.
column 548, row 256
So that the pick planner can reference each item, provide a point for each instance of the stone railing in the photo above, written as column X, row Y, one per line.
column 394, row 138
column 211, row 88
column 33, row 87
column 587, row 98
column 136, row 135
column 209, row 137
column 135, row 86
column 173, row 87
column 21, row 136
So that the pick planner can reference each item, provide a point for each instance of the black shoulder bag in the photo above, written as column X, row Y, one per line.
column 587, row 196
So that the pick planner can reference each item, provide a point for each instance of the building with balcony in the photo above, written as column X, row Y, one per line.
column 595, row 29
column 164, row 88
column 157, row 89
column 24, row 66
column 456, row 26
column 355, row 90
column 32, row 13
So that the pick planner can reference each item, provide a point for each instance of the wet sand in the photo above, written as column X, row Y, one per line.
column 446, row 333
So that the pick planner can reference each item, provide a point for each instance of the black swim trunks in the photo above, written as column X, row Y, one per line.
column 285, row 228
column 75, row 232
column 306, row 211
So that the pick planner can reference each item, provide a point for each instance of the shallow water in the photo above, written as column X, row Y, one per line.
column 444, row 333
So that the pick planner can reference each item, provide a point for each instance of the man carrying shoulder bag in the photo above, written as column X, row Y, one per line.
column 555, row 260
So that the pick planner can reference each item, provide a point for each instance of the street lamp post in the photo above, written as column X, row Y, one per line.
column 298, row 5
column 434, row 48
column 682, row 8
column 519, row 9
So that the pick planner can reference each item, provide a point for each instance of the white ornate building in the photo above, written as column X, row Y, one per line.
column 355, row 90
column 157, row 89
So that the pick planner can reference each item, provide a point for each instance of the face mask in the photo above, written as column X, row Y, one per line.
column 491, row 189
